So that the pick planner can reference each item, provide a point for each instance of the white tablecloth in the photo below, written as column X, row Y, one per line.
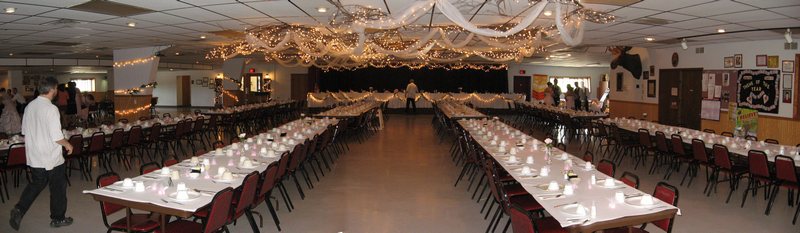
column 585, row 194
column 423, row 100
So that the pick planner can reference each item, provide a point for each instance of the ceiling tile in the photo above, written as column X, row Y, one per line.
column 123, row 22
column 196, row 14
column 154, row 5
column 35, row 20
column 172, row 29
column 672, row 16
column 601, row 7
column 203, row 27
column 715, row 8
column 102, row 27
column 747, row 16
column 695, row 23
column 162, row 18
column 77, row 15
column 625, row 27
column 727, row 27
column 279, row 8
column 631, row 13
column 20, row 26
column 9, row 18
column 769, row 3
column 668, row 5
column 58, row 3
column 235, row 10
column 25, row 9
column 208, row 2
column 654, row 30
column 791, row 11
column 773, row 23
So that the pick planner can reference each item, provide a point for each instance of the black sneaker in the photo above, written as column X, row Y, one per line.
column 61, row 223
column 16, row 218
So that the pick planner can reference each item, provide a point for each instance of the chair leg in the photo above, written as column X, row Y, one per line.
column 272, row 212
column 299, row 189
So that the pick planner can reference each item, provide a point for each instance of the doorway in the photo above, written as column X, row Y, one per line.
column 184, row 92
column 522, row 85
column 299, row 87
column 680, row 97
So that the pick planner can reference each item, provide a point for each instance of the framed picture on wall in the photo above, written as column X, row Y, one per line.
column 787, row 96
column 726, row 79
column 646, row 75
column 651, row 88
column 787, row 66
column 761, row 60
column 737, row 60
column 728, row 62
column 772, row 62
column 619, row 81
column 787, row 81
column 652, row 71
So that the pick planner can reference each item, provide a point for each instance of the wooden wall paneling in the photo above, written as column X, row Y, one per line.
column 131, row 107
column 621, row 108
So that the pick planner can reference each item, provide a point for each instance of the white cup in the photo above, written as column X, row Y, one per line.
column 176, row 175
column 581, row 211
column 181, row 186
column 512, row 159
column 195, row 160
column 227, row 175
column 182, row 195
column 647, row 199
column 165, row 171
column 529, row 160
column 619, row 196
column 553, row 186
column 127, row 182
column 568, row 190
column 139, row 187
column 609, row 182
column 526, row 170
column 221, row 170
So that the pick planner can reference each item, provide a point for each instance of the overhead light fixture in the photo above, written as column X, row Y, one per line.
column 170, row 69
column 788, row 36
column 683, row 44
column 569, row 55
column 10, row 54
column 10, row 10
column 131, row 24
column 721, row 30
column 547, row 58
column 548, row 13
column 202, row 36
column 177, row 53
column 322, row 9
column 649, row 38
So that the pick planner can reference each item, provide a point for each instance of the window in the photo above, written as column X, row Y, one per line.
column 85, row 84
column 563, row 81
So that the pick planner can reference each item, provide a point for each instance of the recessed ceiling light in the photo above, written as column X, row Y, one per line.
column 548, row 13
column 322, row 9
column 547, row 58
column 177, row 53
column 131, row 24
column 569, row 55
column 202, row 36
column 96, row 56
column 10, row 10
column 721, row 30
column 649, row 38
column 170, row 69
column 10, row 54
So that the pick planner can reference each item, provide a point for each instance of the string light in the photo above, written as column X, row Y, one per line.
column 231, row 95
column 133, row 110
column 136, row 90
column 118, row 64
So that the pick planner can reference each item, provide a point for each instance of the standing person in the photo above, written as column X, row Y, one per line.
column 61, row 98
column 19, row 99
column 74, row 102
column 569, row 97
column 556, row 92
column 42, row 130
column 548, row 94
column 9, row 119
column 577, row 96
column 584, row 97
column 411, row 95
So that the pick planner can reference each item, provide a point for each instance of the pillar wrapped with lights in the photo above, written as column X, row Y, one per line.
column 135, row 74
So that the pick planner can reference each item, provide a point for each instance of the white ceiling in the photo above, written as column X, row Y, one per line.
column 182, row 22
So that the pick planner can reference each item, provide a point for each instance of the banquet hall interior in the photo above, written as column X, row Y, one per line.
column 401, row 115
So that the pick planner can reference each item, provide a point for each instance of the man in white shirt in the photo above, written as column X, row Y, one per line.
column 41, row 126
column 411, row 95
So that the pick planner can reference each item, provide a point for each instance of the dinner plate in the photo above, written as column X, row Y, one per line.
column 572, row 210
column 637, row 202
column 601, row 183
column 545, row 186
column 118, row 184
column 192, row 196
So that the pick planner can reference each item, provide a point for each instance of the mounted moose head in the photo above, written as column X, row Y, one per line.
column 630, row 62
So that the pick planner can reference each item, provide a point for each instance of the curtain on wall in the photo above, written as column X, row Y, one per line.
column 441, row 80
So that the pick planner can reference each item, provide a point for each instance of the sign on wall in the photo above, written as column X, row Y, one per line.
column 758, row 90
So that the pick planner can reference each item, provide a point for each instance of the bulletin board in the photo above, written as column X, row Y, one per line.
column 720, row 85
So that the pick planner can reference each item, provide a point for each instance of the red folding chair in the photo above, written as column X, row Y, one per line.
column 139, row 222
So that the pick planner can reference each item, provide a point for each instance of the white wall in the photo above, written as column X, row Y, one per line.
column 204, row 97
column 630, row 90
column 596, row 73
column 713, row 57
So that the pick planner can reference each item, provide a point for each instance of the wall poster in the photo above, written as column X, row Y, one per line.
column 759, row 90
column 746, row 122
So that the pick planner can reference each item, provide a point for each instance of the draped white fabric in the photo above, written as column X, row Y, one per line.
column 452, row 13
column 398, row 100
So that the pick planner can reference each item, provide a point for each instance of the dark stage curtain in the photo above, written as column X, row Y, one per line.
column 428, row 80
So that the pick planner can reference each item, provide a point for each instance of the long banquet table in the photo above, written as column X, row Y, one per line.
column 739, row 146
column 455, row 110
column 491, row 135
column 155, row 198
column 350, row 111
column 571, row 113
column 423, row 100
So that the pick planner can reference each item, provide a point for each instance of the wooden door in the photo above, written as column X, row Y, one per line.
column 522, row 85
column 299, row 86
column 184, row 92
column 679, row 97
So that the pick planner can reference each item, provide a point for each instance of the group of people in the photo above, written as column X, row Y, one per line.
column 576, row 98
column 72, row 105
column 13, row 104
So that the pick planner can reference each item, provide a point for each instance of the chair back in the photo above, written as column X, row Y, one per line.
column 97, row 142
column 785, row 169
column 727, row 134
column 135, row 135
column 107, row 209
column 521, row 221
column 77, row 145
column 268, row 181
column 606, row 167
column 199, row 124
column 219, row 144
column 722, row 157
column 218, row 214
column 200, row 152
column 246, row 195
column 757, row 164
column 751, row 138
column 562, row 147
column 699, row 150
column 630, row 179
column 148, row 167
column 117, row 138
column 677, row 144
column 170, row 162
column 644, row 138
column 588, row 157
column 661, row 142
column 155, row 132
column 669, row 194
column 771, row 141
column 16, row 155
column 283, row 164
column 709, row 131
